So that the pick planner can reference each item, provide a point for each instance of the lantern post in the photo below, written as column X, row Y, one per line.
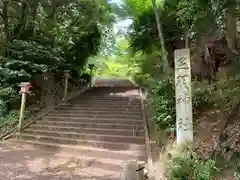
column 66, row 75
column 25, row 86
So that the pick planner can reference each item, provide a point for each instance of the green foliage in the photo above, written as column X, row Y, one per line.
column 84, row 47
column 191, row 166
column 144, row 35
column 117, row 64
column 225, row 91
column 24, row 60
column 9, row 118
column 119, row 10
column 177, row 17
column 137, row 8
column 72, row 28
column 162, row 100
column 46, row 36
column 162, row 97
column 113, row 69
column 7, row 94
column 194, row 16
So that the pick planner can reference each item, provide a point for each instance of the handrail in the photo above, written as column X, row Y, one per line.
column 147, row 139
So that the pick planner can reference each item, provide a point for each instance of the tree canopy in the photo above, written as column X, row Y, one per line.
column 52, row 32
column 178, row 17
column 37, row 36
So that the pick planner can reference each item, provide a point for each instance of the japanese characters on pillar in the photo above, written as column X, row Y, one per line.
column 183, row 96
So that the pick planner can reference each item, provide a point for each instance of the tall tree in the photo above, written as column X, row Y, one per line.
column 160, row 35
column 231, row 25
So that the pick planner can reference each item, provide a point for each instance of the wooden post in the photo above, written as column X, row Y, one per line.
column 66, row 75
column 24, row 90
column 184, row 125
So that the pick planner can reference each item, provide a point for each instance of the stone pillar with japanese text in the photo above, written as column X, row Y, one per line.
column 184, row 117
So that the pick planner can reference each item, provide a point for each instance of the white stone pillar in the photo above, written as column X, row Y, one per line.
column 184, row 124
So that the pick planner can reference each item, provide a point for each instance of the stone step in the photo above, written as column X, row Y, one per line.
column 59, row 158
column 96, row 114
column 87, row 142
column 134, row 98
column 107, row 97
column 116, row 117
column 105, row 104
column 86, row 137
column 99, row 108
column 60, row 165
column 106, row 101
column 85, row 150
column 126, row 152
column 102, row 104
column 118, row 120
column 101, row 131
column 111, row 128
column 97, row 111
column 98, row 90
column 111, row 89
column 111, row 94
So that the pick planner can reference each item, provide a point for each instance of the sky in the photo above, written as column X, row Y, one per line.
column 123, row 24
column 116, row 1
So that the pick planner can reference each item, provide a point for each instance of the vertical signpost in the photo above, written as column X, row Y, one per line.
column 183, row 97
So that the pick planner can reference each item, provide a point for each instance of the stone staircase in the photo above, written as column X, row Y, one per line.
column 103, row 126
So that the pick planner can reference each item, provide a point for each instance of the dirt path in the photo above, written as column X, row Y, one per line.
column 28, row 163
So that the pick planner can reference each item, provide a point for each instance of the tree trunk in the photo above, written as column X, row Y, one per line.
column 209, row 62
column 53, row 20
column 231, row 20
column 34, row 5
column 187, row 39
column 5, row 19
column 160, row 35
column 6, row 27
column 21, row 22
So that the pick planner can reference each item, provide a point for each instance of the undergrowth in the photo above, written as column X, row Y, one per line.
column 222, row 94
column 190, row 165
column 161, row 94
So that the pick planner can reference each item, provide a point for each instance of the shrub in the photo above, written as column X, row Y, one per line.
column 6, row 96
column 191, row 166
column 162, row 100
column 162, row 97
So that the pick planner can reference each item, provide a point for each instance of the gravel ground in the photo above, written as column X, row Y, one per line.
column 20, row 162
